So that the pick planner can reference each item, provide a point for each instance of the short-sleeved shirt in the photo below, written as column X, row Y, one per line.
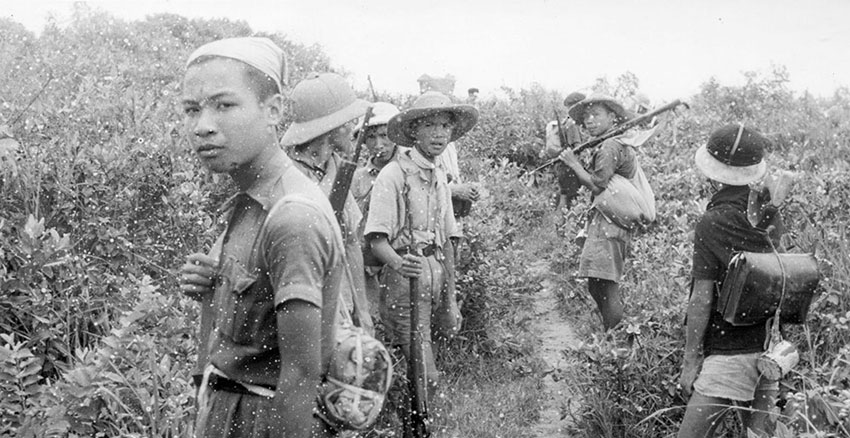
column 296, row 255
column 325, row 179
column 612, row 157
column 430, row 206
column 721, row 231
column 353, row 284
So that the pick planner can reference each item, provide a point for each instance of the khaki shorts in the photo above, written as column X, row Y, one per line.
column 605, row 250
column 396, row 310
column 734, row 377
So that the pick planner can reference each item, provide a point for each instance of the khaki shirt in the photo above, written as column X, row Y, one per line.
column 412, row 178
column 353, row 285
column 297, row 255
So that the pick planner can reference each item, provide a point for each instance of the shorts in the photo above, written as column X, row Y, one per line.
column 605, row 250
column 733, row 377
column 396, row 310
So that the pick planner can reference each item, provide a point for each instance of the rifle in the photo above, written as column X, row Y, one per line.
column 372, row 88
column 616, row 131
column 345, row 173
column 417, row 424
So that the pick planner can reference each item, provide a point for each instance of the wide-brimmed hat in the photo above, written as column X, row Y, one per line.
column 400, row 126
column 382, row 112
column 734, row 155
column 578, row 110
column 321, row 102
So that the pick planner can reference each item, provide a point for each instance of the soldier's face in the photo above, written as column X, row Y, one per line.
column 598, row 119
column 378, row 143
column 227, row 126
column 340, row 140
column 433, row 133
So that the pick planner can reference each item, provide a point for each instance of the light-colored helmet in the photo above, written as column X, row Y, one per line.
column 382, row 112
column 321, row 102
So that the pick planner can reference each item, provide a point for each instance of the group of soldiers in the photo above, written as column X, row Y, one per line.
column 288, row 269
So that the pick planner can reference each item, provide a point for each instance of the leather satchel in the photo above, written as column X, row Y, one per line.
column 754, row 283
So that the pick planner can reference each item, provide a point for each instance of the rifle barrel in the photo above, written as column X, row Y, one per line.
column 345, row 173
column 616, row 131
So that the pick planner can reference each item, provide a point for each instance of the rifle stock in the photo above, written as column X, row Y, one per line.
column 615, row 132
column 345, row 173
column 417, row 424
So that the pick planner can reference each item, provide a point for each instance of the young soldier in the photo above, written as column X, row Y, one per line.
column 604, row 251
column 276, row 277
column 568, row 184
column 325, row 106
column 720, row 358
column 381, row 152
column 411, row 220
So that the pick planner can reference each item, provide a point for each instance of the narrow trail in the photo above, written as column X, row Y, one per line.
column 555, row 335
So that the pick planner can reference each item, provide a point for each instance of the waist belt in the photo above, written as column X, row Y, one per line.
column 216, row 379
column 423, row 249
column 221, row 383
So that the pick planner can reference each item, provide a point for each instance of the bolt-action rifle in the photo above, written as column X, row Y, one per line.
column 614, row 132
column 372, row 88
column 417, row 423
column 345, row 173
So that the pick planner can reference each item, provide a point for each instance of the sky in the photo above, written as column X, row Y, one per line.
column 671, row 46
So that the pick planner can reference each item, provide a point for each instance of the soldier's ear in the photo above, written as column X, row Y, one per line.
column 274, row 109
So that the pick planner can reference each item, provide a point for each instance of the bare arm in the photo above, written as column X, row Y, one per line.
column 299, row 327
column 408, row 265
column 699, row 312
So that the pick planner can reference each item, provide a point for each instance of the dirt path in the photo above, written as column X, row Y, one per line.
column 555, row 335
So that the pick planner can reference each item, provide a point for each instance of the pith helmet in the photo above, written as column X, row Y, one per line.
column 382, row 112
column 734, row 155
column 400, row 127
column 321, row 102
column 578, row 110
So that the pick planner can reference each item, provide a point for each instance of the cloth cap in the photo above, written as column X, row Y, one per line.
column 260, row 53
column 578, row 110
column 573, row 98
column 321, row 102
column 400, row 127
column 734, row 155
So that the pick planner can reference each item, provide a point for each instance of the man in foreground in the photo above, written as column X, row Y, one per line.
column 276, row 277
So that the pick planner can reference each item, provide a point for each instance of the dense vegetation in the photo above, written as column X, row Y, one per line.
column 100, row 201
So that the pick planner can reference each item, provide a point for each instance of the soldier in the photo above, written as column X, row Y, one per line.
column 275, row 280
column 411, row 221
column 325, row 107
column 381, row 152
column 719, row 369
column 568, row 184
column 606, row 246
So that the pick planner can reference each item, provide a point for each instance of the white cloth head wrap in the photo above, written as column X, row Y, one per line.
column 260, row 53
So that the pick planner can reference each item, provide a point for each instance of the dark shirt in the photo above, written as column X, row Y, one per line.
column 612, row 157
column 722, row 230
